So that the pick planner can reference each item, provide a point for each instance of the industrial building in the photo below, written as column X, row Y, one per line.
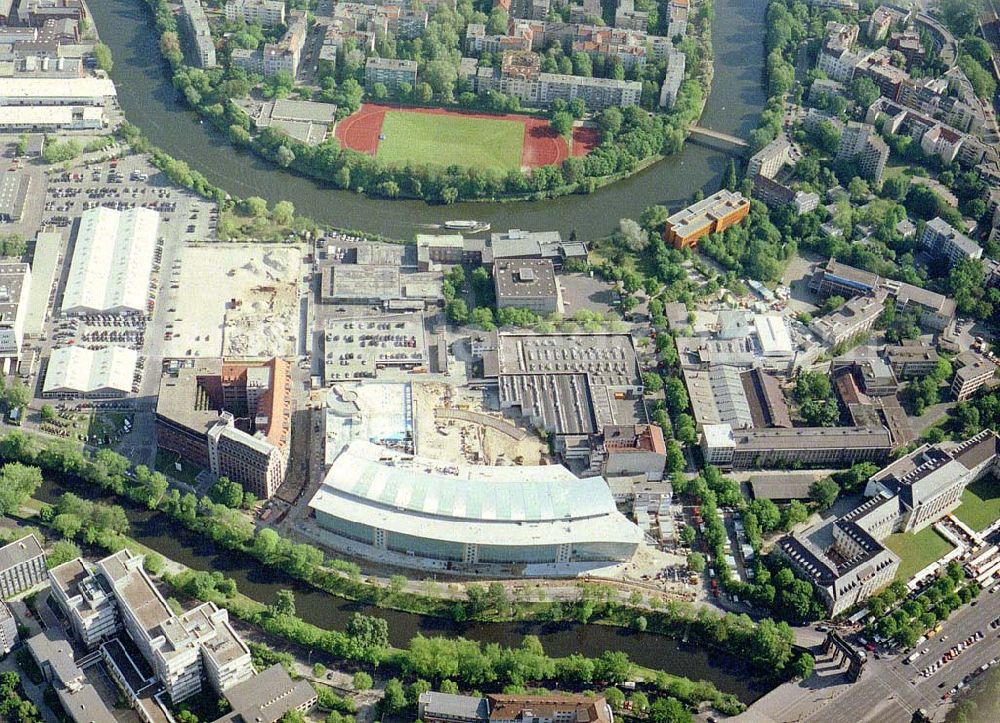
column 909, row 495
column 433, row 250
column 22, row 566
column 74, row 372
column 740, row 338
column 14, row 187
column 373, row 274
column 527, row 284
column 634, row 450
column 112, row 262
column 53, row 103
column 15, row 288
column 711, row 215
column 778, row 447
column 465, row 516
column 230, row 417
column 571, row 385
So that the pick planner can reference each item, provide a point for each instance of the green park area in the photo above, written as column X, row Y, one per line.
column 917, row 551
column 450, row 140
column 980, row 504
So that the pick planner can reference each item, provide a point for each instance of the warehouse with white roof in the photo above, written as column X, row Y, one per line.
column 419, row 508
column 74, row 372
column 112, row 262
column 55, row 91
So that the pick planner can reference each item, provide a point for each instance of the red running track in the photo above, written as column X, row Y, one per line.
column 542, row 146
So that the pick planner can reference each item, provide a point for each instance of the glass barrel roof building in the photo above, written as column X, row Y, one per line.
column 470, row 514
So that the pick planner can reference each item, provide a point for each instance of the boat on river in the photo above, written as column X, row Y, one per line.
column 467, row 226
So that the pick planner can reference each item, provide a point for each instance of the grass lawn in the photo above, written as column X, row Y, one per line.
column 916, row 551
column 165, row 464
column 980, row 504
column 448, row 140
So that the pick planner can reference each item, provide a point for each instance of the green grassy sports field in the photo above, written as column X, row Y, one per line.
column 448, row 139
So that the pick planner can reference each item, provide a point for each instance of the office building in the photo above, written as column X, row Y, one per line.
column 182, row 649
column 711, row 215
column 855, row 317
column 8, row 629
column 846, row 559
column 942, row 240
column 112, row 262
column 972, row 371
column 912, row 361
column 22, row 566
column 765, row 448
column 634, row 450
column 230, row 417
column 267, row 697
column 15, row 287
column 14, row 186
column 390, row 72
column 200, row 33
column 86, row 600
column 527, row 284
column 386, row 501
column 433, row 707
column 264, row 12
column 74, row 372
column 53, row 654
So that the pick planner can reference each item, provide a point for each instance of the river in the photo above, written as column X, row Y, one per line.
column 170, row 539
column 150, row 102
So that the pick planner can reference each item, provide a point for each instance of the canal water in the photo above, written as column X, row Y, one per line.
column 172, row 540
column 150, row 102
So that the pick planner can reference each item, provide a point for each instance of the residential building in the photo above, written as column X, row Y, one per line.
column 15, row 286
column 283, row 56
column 377, row 501
column 861, row 144
column 182, row 649
column 14, row 187
column 264, row 12
column 200, row 32
column 527, row 284
column 86, row 600
column 877, row 66
column 972, row 371
column 628, row 18
column 879, row 23
column 390, row 72
column 22, row 566
column 846, row 558
column 433, row 707
column 770, row 159
column 944, row 241
column 711, row 215
column 8, row 629
column 230, row 417
column 912, row 361
column 674, row 78
column 53, row 654
column 856, row 317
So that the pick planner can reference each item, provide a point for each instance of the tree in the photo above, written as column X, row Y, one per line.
column 824, row 492
column 652, row 382
column 767, row 514
column 255, row 206
column 284, row 603
column 47, row 413
column 62, row 551
column 362, row 681
column 864, row 92
column 284, row 212
column 615, row 698
column 803, row 665
column 394, row 698
column 423, row 93
column 631, row 235
column 770, row 645
column 696, row 562
column 284, row 156
column 730, row 180
column 795, row 514
column 562, row 123
column 668, row 710
column 102, row 56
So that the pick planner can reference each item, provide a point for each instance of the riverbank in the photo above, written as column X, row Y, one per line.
column 151, row 103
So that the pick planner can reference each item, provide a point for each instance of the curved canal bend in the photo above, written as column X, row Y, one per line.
column 150, row 102
column 261, row 583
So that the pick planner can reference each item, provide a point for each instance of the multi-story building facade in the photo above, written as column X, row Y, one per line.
column 909, row 495
column 87, row 601
column 972, row 371
column 944, row 241
column 673, row 79
column 527, row 284
column 264, row 12
column 200, row 32
column 390, row 72
column 812, row 446
column 912, row 361
column 8, row 630
column 857, row 316
column 283, row 56
column 233, row 418
column 861, row 144
column 15, row 286
column 435, row 707
column 711, row 215
column 22, row 566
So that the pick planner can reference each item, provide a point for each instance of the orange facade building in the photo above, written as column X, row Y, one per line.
column 712, row 215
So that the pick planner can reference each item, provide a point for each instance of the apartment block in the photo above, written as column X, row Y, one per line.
column 390, row 72
column 22, row 566
column 861, row 144
column 674, row 78
column 86, row 599
column 200, row 33
column 284, row 55
column 712, row 215
column 972, row 371
column 942, row 240
column 264, row 12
